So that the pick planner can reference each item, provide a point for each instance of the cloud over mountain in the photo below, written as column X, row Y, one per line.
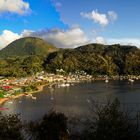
column 69, row 38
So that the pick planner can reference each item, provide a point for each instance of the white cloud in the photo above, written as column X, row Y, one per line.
column 26, row 33
column 125, row 41
column 100, row 40
column 70, row 38
column 7, row 37
column 14, row 6
column 121, row 41
column 102, row 19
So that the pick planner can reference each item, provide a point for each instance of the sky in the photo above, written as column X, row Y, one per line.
column 71, row 23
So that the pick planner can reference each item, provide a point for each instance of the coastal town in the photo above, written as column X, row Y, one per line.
column 15, row 87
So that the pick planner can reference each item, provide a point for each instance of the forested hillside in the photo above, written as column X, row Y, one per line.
column 94, row 59
column 97, row 59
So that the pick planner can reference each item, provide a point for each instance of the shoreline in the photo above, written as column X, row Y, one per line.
column 40, row 88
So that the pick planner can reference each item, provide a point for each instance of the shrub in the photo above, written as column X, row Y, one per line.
column 52, row 127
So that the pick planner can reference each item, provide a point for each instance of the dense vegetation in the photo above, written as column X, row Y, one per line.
column 109, row 122
column 21, row 66
column 27, row 46
column 94, row 59
column 97, row 59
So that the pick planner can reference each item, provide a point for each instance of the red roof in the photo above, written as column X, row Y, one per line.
column 7, row 87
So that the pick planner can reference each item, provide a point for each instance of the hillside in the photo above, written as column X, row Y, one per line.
column 94, row 59
column 26, row 47
column 97, row 59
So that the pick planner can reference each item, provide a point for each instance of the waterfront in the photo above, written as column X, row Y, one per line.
column 75, row 99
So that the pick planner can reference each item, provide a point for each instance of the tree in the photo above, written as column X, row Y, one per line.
column 110, row 123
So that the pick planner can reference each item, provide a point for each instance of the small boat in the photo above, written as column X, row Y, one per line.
column 67, row 84
column 106, row 81
column 34, row 98
column 10, row 102
column 4, row 109
column 131, row 80
column 64, row 85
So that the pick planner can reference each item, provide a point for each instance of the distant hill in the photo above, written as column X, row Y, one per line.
column 27, row 46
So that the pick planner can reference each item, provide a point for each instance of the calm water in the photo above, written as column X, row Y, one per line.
column 74, row 100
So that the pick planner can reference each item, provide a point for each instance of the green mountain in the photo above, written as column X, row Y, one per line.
column 26, row 47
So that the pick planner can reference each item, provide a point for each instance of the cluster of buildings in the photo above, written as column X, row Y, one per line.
column 12, row 86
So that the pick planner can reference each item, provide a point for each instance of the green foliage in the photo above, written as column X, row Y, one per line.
column 96, row 59
column 29, row 88
column 1, row 95
column 21, row 67
column 132, row 64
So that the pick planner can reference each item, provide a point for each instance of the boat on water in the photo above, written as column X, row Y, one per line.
column 67, row 84
column 52, row 98
column 131, row 80
column 1, row 109
column 64, row 85
column 106, row 80
column 34, row 98
column 10, row 102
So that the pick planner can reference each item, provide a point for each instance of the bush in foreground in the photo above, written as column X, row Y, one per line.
column 111, row 123
column 50, row 127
